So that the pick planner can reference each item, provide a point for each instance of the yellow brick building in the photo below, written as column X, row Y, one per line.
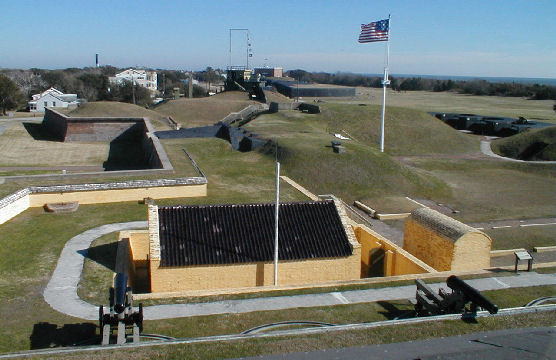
column 444, row 243
column 215, row 247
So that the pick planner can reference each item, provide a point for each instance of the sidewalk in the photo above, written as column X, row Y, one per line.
column 61, row 291
column 528, row 343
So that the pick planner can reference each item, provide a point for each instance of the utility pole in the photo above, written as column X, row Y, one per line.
column 133, row 89
column 163, row 86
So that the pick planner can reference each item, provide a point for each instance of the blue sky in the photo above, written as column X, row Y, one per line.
column 514, row 38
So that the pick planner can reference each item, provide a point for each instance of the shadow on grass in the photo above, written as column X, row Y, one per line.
column 392, row 312
column 39, row 132
column 104, row 255
column 47, row 335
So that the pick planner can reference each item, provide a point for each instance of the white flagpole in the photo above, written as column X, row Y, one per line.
column 385, row 83
column 276, row 223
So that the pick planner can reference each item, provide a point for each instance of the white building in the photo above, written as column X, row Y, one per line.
column 51, row 98
column 144, row 78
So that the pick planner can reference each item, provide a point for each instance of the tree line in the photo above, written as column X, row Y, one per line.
column 473, row 87
column 91, row 84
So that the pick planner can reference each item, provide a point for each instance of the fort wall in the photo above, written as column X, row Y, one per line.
column 214, row 277
column 133, row 190
column 397, row 260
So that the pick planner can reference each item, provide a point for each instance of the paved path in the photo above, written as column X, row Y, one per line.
column 61, row 291
column 528, row 343
column 4, row 127
column 485, row 153
column 501, row 224
column 485, row 149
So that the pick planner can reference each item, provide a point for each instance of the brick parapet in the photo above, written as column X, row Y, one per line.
column 8, row 200
column 7, row 211
column 132, row 184
column 154, row 236
column 346, row 222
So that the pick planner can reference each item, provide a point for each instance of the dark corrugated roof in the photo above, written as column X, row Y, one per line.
column 225, row 234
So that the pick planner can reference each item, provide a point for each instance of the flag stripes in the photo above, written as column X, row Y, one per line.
column 375, row 31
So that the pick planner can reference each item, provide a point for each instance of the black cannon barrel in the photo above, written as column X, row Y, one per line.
column 120, row 289
column 471, row 294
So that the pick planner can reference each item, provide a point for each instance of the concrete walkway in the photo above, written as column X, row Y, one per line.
column 61, row 291
column 485, row 149
column 527, row 343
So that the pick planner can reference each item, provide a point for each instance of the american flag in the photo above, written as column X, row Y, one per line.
column 375, row 31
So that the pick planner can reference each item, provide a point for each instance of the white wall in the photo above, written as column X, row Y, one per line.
column 51, row 101
column 14, row 208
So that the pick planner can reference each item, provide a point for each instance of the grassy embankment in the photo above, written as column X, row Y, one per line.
column 437, row 163
column 204, row 111
column 532, row 145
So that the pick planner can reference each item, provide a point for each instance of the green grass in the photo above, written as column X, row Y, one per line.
column 31, row 245
column 492, row 190
column 204, row 111
column 98, row 270
column 518, row 237
column 233, row 176
column 407, row 131
column 361, row 172
column 539, row 145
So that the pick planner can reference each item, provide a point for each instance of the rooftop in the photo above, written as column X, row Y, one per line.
column 445, row 225
column 225, row 234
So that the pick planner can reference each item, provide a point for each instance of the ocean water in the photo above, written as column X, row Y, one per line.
column 540, row 81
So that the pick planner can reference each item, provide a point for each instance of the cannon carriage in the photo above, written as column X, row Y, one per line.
column 430, row 303
column 122, row 317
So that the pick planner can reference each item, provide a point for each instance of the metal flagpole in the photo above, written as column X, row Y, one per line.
column 385, row 83
column 276, row 223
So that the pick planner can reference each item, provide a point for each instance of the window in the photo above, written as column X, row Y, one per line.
column 45, row 103
column 54, row 104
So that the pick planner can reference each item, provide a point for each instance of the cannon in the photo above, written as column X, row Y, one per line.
column 123, row 317
column 429, row 303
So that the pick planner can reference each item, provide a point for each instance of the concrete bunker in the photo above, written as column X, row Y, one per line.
column 445, row 243
column 132, row 145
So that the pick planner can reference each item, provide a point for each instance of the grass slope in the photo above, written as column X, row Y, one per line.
column 360, row 173
column 407, row 131
column 539, row 144
column 204, row 111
